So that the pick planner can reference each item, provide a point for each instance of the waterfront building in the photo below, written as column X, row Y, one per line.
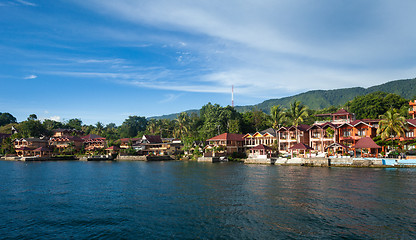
column 339, row 117
column 350, row 133
column 126, row 143
column 94, row 142
column 63, row 142
column 26, row 146
column 228, row 142
column 289, row 136
column 412, row 109
column 266, row 137
column 66, row 132
column 321, row 136
column 260, row 151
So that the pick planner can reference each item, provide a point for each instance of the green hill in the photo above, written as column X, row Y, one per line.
column 318, row 99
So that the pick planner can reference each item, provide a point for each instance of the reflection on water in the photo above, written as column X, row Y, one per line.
column 202, row 200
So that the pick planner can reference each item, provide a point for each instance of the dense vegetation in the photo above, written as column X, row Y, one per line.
column 213, row 119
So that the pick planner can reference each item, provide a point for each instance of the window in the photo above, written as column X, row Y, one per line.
column 361, row 132
column 410, row 134
column 347, row 133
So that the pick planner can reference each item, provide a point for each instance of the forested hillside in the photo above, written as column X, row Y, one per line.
column 320, row 99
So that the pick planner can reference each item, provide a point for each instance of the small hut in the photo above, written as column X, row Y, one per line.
column 300, row 147
column 24, row 151
column 336, row 148
column 43, row 152
column 366, row 143
column 112, row 150
column 261, row 150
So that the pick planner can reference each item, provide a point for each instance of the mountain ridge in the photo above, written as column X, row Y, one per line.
column 319, row 99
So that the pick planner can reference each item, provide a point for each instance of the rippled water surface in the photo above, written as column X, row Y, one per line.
column 189, row 200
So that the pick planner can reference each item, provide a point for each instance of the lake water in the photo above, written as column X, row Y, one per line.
column 190, row 200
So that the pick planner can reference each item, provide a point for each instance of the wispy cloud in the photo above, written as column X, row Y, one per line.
column 170, row 98
column 31, row 77
column 283, row 46
column 27, row 3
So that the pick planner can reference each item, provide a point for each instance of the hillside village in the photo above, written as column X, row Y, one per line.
column 338, row 134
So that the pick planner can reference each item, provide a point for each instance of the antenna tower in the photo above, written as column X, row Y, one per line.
column 232, row 95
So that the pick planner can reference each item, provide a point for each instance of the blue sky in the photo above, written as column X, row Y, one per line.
column 102, row 60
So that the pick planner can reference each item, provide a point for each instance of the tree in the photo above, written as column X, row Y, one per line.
column 74, row 123
column 132, row 126
column 6, row 118
column 375, row 104
column 183, row 124
column 32, row 128
column 297, row 113
column 32, row 117
column 277, row 115
column 391, row 124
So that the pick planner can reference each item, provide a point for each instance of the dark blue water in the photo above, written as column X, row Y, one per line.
column 189, row 200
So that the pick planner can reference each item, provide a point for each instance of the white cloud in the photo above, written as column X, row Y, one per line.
column 31, row 77
column 27, row 3
column 271, row 46
column 55, row 118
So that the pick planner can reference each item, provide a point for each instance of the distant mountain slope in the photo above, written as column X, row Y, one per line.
column 318, row 99
column 175, row 115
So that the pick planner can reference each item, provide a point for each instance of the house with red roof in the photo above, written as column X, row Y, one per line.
column 350, row 133
column 322, row 135
column 266, row 137
column 231, row 142
column 63, row 142
column 412, row 109
column 94, row 142
column 289, row 136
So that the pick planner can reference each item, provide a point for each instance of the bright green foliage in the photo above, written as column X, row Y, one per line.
column 297, row 113
column 277, row 116
column 132, row 126
column 391, row 124
column 183, row 124
column 31, row 128
column 74, row 123
column 216, row 120
column 375, row 104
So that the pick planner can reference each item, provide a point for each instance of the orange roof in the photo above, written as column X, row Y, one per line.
column 228, row 136
column 366, row 142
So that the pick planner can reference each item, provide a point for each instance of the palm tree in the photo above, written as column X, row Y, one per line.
column 277, row 115
column 391, row 124
column 183, row 124
column 297, row 114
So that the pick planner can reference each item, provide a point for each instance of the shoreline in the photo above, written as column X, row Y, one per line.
column 305, row 162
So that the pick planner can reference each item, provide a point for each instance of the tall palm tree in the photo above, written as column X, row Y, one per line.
column 183, row 124
column 297, row 114
column 391, row 124
column 277, row 115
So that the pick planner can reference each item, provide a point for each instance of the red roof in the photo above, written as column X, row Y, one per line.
column 366, row 142
column 129, row 139
column 42, row 149
column 300, row 146
column 411, row 121
column 153, row 138
column 113, row 148
column 261, row 147
column 228, row 136
column 24, row 149
column 341, row 112
column 92, row 136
